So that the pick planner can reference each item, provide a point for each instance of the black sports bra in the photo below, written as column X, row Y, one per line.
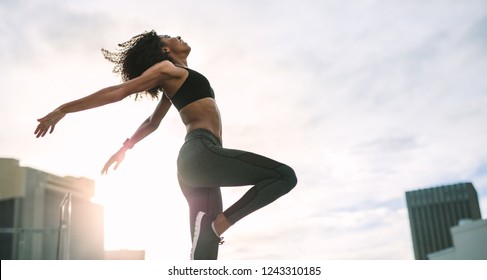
column 194, row 88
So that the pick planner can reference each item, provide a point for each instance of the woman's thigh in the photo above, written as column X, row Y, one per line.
column 202, row 164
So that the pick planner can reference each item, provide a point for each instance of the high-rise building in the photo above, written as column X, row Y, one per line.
column 30, row 217
column 433, row 211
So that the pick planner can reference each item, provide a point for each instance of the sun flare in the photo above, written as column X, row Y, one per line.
column 142, row 205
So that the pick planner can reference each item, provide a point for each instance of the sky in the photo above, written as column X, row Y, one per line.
column 364, row 99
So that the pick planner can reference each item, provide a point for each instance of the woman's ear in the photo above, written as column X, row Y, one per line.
column 165, row 50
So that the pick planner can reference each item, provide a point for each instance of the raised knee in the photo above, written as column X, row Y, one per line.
column 289, row 176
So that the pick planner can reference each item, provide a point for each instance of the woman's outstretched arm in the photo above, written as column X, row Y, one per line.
column 149, row 79
column 146, row 128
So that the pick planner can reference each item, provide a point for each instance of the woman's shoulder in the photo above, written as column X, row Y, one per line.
column 164, row 66
column 168, row 68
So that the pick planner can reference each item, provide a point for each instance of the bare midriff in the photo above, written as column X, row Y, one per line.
column 202, row 114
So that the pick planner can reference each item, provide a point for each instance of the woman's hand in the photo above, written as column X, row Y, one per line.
column 48, row 123
column 116, row 158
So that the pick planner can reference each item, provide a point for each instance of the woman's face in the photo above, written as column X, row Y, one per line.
column 175, row 44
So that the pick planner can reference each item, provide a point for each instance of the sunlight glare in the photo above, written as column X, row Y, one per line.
column 144, row 209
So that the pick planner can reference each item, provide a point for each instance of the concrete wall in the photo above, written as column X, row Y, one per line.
column 31, row 202
column 469, row 243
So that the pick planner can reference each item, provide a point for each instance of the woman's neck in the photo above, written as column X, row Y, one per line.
column 181, row 62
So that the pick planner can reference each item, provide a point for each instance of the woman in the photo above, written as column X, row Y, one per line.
column 156, row 64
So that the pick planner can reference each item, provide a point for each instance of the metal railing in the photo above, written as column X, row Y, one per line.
column 64, row 228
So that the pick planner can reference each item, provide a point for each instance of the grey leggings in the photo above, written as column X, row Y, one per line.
column 204, row 166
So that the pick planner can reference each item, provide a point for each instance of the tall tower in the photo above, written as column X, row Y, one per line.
column 433, row 211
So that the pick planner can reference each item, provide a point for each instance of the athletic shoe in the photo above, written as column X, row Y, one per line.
column 205, row 240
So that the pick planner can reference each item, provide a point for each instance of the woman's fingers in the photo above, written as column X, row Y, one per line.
column 38, row 128
column 109, row 163
column 48, row 123
column 106, row 167
column 116, row 165
column 42, row 130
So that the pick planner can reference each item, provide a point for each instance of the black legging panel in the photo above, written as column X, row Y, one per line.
column 204, row 166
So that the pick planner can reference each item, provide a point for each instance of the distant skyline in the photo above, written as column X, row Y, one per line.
column 433, row 212
column 365, row 100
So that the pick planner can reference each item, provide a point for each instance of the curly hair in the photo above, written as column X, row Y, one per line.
column 137, row 55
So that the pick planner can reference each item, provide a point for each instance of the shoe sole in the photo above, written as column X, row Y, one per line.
column 197, row 231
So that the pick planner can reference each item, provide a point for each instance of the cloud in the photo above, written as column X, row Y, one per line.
column 33, row 27
column 364, row 100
